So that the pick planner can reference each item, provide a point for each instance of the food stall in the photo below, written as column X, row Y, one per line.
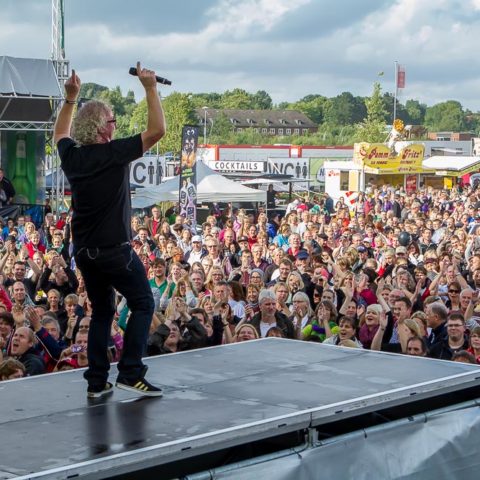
column 447, row 171
column 375, row 164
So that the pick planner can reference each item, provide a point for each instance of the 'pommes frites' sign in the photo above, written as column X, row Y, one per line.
column 377, row 158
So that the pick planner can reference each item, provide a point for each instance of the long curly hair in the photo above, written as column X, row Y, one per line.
column 92, row 116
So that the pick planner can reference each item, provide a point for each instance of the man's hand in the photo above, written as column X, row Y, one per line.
column 18, row 315
column 64, row 119
column 23, row 254
column 72, row 87
column 146, row 77
column 34, row 318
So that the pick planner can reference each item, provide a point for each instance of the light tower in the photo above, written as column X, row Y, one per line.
column 62, row 70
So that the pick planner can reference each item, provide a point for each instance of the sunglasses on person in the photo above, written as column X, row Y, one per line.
column 113, row 120
column 454, row 291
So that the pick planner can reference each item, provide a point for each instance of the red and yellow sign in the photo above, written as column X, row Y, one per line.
column 377, row 158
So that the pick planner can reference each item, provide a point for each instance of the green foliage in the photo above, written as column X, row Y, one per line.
column 344, row 109
column 446, row 116
column 373, row 127
column 138, row 119
column 416, row 112
column 342, row 119
column 313, row 106
column 220, row 131
column 178, row 113
column 91, row 90
column 237, row 99
column 262, row 101
column 210, row 100
column 120, row 105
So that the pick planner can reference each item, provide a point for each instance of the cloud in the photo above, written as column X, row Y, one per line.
column 289, row 48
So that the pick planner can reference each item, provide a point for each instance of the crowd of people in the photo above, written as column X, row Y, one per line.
column 395, row 272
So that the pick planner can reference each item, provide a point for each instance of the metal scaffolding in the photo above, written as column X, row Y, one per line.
column 62, row 68
column 22, row 108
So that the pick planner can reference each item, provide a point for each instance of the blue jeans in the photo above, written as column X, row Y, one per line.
column 106, row 269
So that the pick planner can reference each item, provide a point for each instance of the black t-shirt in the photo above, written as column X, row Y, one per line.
column 99, row 180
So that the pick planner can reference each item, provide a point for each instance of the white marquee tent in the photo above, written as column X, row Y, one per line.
column 211, row 187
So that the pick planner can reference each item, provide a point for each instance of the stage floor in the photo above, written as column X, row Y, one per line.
column 213, row 398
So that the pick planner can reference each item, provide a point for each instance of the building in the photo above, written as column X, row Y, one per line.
column 451, row 136
column 266, row 122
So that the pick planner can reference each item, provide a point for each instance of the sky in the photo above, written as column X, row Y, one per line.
column 289, row 48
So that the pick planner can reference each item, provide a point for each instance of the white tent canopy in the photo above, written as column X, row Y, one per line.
column 211, row 187
column 450, row 163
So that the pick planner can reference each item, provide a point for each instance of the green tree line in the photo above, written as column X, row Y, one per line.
column 342, row 120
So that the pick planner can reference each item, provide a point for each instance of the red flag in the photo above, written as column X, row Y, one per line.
column 401, row 76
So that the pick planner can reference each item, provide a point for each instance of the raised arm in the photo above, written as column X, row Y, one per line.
column 155, row 118
column 63, row 124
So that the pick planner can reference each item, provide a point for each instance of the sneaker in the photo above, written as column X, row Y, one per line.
column 97, row 392
column 140, row 386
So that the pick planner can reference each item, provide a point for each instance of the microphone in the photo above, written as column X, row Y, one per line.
column 163, row 81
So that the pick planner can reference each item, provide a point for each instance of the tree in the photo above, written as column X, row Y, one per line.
column 313, row 106
column 120, row 105
column 210, row 100
column 237, row 99
column 220, row 129
column 445, row 116
column 416, row 112
column 138, row 119
column 91, row 90
column 262, row 100
column 178, row 112
column 344, row 109
column 373, row 127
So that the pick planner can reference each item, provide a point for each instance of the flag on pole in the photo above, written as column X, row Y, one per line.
column 401, row 76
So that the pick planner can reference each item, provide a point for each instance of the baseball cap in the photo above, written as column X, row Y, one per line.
column 401, row 249
column 302, row 255
column 361, row 249
column 197, row 238
column 243, row 239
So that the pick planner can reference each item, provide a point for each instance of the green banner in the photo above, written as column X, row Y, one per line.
column 23, row 157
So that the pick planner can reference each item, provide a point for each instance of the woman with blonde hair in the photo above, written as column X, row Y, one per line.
column 295, row 284
column 281, row 295
column 302, row 313
column 206, row 304
column 29, row 230
column 323, row 324
column 214, row 276
column 281, row 239
column 184, row 290
column 161, row 242
column 245, row 332
column 136, row 224
column 370, row 325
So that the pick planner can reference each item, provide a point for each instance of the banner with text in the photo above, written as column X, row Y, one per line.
column 297, row 168
column 148, row 171
column 188, row 175
column 378, row 158
column 232, row 166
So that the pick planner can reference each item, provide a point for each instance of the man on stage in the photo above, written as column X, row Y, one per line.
column 97, row 168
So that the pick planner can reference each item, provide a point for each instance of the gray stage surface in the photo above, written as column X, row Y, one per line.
column 214, row 398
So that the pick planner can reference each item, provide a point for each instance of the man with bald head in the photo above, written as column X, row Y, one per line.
column 21, row 348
